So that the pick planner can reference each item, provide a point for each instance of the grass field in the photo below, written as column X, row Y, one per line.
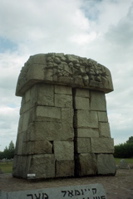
column 6, row 167
column 128, row 160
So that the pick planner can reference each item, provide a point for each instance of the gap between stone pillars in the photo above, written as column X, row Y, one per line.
column 75, row 132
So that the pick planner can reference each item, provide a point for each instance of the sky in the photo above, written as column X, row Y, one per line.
column 98, row 29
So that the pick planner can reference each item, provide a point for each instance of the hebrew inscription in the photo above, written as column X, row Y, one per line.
column 92, row 191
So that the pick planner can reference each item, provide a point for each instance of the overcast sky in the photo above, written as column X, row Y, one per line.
column 98, row 29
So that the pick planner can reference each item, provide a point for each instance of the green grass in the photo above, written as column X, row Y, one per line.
column 6, row 167
column 128, row 160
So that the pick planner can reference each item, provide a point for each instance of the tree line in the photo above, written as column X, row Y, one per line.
column 8, row 152
column 124, row 150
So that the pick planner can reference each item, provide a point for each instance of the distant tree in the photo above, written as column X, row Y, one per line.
column 130, row 140
column 8, row 152
column 124, row 150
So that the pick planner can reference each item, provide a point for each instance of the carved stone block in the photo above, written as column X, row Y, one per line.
column 87, row 132
column 86, row 164
column 106, row 164
column 83, row 145
column 64, row 150
column 102, row 145
column 85, row 118
column 64, row 168
column 104, row 129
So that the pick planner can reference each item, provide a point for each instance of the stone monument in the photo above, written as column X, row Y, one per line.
column 63, row 129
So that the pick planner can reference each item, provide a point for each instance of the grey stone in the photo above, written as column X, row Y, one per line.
column 106, row 164
column 87, row 132
column 98, row 101
column 93, row 191
column 104, row 129
column 50, row 131
column 63, row 90
column 83, row 145
column 85, row 118
column 45, row 95
column 48, row 71
column 62, row 100
column 102, row 116
column 63, row 122
column 82, row 92
column 64, row 150
column 102, row 145
column 48, row 112
column 67, row 115
column 81, row 103
column 86, row 164
column 43, row 166
column 123, row 164
column 64, row 168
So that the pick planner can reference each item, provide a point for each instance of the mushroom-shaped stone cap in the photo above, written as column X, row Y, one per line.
column 61, row 69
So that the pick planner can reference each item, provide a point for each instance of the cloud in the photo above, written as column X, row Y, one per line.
column 100, row 29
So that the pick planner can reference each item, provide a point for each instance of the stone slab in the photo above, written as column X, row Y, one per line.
column 82, row 93
column 91, row 191
column 64, row 150
column 106, row 164
column 98, row 101
column 79, row 73
column 87, row 132
column 102, row 116
column 102, row 145
column 104, row 129
column 81, row 103
column 65, row 168
column 86, row 164
column 85, row 118
column 48, row 112
column 62, row 100
column 63, row 90
column 83, row 145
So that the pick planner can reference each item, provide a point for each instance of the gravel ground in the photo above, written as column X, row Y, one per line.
column 119, row 186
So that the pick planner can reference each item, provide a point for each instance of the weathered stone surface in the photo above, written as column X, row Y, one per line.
column 90, row 191
column 87, row 132
column 83, row 145
column 63, row 117
column 63, row 90
column 104, row 129
column 50, row 131
column 102, row 145
column 48, row 112
column 81, row 103
column 106, row 164
column 102, row 116
column 62, row 100
column 86, row 164
column 64, row 150
column 67, row 115
column 39, row 147
column 82, row 92
column 45, row 95
column 98, row 101
column 43, row 166
column 21, row 169
column 79, row 72
column 64, row 168
column 85, row 118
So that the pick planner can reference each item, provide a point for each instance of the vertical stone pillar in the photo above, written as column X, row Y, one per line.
column 93, row 141
column 63, row 128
